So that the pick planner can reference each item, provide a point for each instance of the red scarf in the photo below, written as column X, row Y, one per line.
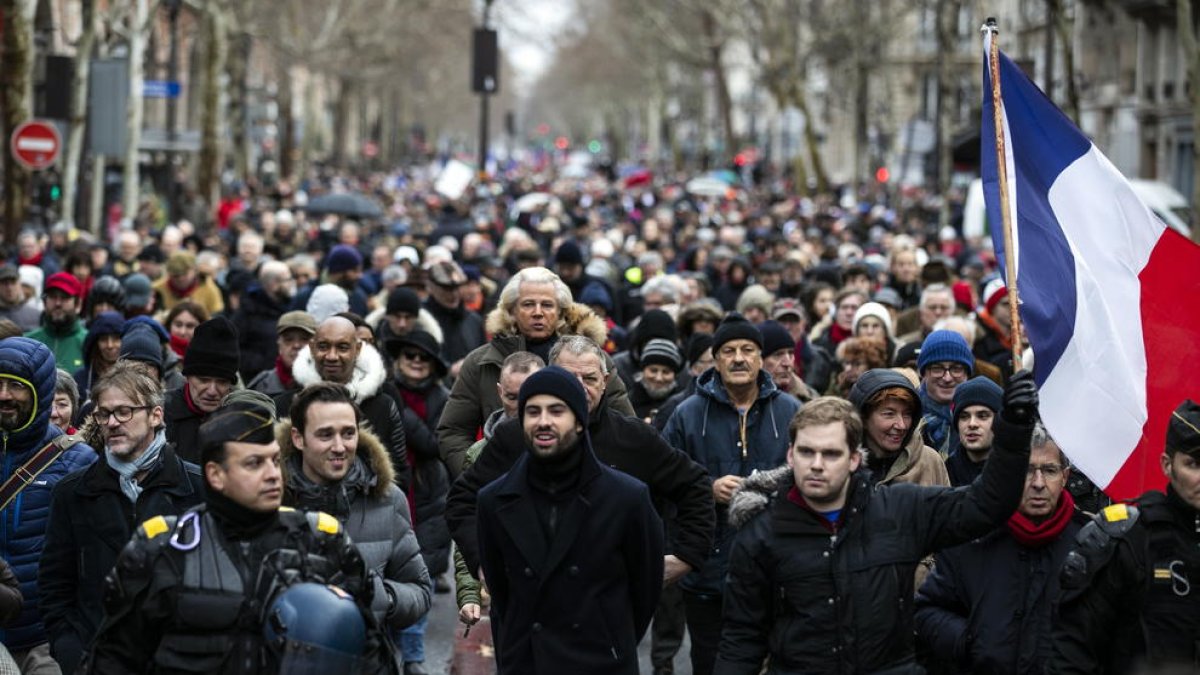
column 179, row 345
column 1001, row 334
column 36, row 260
column 284, row 373
column 1036, row 535
column 187, row 399
column 415, row 401
column 837, row 334
column 185, row 291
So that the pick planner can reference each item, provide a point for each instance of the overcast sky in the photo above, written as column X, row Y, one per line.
column 527, row 29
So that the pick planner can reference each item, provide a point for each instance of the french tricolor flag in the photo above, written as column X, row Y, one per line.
column 1110, row 296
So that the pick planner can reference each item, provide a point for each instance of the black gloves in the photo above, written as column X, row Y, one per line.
column 1020, row 399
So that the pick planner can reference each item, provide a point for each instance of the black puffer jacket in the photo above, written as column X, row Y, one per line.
column 824, row 599
column 431, row 479
column 986, row 606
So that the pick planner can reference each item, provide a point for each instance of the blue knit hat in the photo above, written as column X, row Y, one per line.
column 978, row 391
column 140, row 343
column 945, row 345
column 557, row 382
column 343, row 257
column 595, row 294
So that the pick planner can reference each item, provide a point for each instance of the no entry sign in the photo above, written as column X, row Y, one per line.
column 36, row 144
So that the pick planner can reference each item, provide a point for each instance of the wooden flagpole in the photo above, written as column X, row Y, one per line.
column 1010, row 258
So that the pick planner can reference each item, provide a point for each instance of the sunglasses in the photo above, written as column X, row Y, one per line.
column 416, row 356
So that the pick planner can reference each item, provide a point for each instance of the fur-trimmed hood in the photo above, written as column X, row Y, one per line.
column 369, row 373
column 574, row 319
column 370, row 450
column 755, row 493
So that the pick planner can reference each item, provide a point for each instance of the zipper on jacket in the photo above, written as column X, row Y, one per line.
column 743, row 414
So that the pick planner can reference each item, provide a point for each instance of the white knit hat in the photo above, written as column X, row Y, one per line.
column 876, row 310
column 327, row 300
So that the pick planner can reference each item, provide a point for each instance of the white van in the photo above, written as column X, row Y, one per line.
column 1166, row 202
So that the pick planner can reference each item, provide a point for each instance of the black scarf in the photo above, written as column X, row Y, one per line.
column 238, row 522
column 542, row 347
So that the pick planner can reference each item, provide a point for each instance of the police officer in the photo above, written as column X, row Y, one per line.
column 1131, row 589
column 188, row 594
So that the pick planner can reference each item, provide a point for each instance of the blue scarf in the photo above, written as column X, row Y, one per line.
column 128, row 470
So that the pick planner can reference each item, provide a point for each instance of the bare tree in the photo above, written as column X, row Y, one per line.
column 212, row 125
column 16, row 99
column 77, row 124
column 1187, row 37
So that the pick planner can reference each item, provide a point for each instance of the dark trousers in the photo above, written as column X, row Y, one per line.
column 704, row 628
column 666, row 634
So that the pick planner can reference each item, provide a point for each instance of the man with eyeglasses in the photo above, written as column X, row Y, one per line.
column 336, row 354
column 987, row 605
column 93, row 512
column 210, row 367
column 37, row 456
column 61, row 330
column 945, row 362
column 1131, row 587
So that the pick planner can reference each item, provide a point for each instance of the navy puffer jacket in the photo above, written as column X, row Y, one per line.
column 23, row 522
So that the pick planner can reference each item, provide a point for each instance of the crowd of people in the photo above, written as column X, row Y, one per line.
column 791, row 430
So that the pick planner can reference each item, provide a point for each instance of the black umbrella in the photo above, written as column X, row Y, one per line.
column 352, row 204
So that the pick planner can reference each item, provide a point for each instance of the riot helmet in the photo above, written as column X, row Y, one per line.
column 313, row 629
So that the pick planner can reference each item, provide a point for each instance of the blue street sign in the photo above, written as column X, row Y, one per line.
column 161, row 89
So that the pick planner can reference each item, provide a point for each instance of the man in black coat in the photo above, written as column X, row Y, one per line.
column 210, row 370
column 94, row 512
column 987, row 605
column 623, row 443
column 257, row 315
column 462, row 329
column 822, row 569
column 571, row 549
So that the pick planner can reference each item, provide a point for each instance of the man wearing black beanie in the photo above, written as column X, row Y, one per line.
column 227, row 560
column 210, row 368
column 571, row 549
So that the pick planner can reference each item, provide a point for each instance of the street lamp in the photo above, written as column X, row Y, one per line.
column 485, row 80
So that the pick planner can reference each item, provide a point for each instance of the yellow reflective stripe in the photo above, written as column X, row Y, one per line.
column 154, row 527
column 1116, row 513
column 327, row 523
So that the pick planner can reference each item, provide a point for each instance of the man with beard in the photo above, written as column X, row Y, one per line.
column 210, row 371
column 14, row 306
column 27, row 382
column 61, row 330
column 976, row 403
column 571, row 549
column 336, row 354
column 258, row 314
column 343, row 267
column 462, row 329
column 93, row 513
column 657, row 381
column 735, row 423
column 292, row 334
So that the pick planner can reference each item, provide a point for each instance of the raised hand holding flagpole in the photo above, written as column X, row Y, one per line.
column 991, row 30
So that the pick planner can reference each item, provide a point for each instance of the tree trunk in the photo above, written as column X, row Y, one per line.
column 77, row 125
column 16, row 101
column 131, row 178
column 1187, row 36
column 800, row 100
column 947, row 45
column 287, row 120
column 238, row 56
column 716, row 46
column 341, row 122
column 208, row 174
column 1063, row 28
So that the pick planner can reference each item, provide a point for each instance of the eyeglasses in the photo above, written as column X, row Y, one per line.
column 123, row 413
column 1048, row 471
column 940, row 370
column 416, row 356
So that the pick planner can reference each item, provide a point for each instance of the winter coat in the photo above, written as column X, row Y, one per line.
column 431, row 480
column 578, row 603
column 183, row 425
column 206, row 294
column 366, row 387
column 269, row 383
column 838, row 598
column 66, row 344
column 23, row 523
column 91, row 520
column 375, row 514
column 26, row 315
column 474, row 395
column 644, row 406
column 668, row 406
column 986, row 607
column 466, row 586
column 619, row 442
column 10, row 594
column 461, row 328
column 256, row 319
column 707, row 427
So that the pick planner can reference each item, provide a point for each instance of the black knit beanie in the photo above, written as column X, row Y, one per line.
column 736, row 327
column 213, row 351
column 557, row 382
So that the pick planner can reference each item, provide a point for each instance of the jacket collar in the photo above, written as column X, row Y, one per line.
column 167, row 474
column 368, row 376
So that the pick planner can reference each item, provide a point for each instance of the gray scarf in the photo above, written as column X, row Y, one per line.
column 127, row 470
